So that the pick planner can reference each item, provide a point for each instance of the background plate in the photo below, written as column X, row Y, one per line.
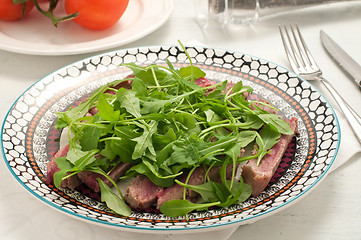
column 37, row 36
column 29, row 138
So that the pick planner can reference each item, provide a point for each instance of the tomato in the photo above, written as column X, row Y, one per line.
column 96, row 14
column 12, row 12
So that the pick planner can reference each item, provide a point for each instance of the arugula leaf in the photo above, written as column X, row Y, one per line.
column 67, row 118
column 65, row 167
column 246, row 193
column 75, row 153
column 281, row 125
column 144, row 141
column 141, row 168
column 270, row 136
column 106, row 111
column 139, row 87
column 122, row 148
column 191, row 71
column 90, row 138
column 114, row 202
column 206, row 190
column 129, row 101
column 86, row 160
column 178, row 207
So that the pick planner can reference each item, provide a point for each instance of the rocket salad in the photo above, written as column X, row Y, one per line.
column 166, row 126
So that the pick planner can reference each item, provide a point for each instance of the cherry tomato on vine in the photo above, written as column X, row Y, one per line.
column 12, row 12
column 96, row 14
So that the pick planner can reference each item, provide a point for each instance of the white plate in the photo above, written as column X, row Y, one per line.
column 37, row 36
column 29, row 137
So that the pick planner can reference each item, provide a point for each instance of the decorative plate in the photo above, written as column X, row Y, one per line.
column 29, row 138
column 37, row 36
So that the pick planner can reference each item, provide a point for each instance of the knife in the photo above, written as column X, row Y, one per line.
column 347, row 63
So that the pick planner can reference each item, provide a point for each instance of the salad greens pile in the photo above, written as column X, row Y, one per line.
column 166, row 125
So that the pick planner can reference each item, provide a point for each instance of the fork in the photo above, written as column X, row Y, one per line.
column 305, row 66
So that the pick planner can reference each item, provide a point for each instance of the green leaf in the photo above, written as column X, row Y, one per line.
column 189, row 71
column 86, row 160
column 161, row 141
column 90, row 138
column 129, row 101
column 127, row 132
column 65, row 166
column 122, row 148
column 236, row 191
column 144, row 141
column 147, row 74
column 108, row 151
column 246, row 193
column 245, row 138
column 141, row 168
column 206, row 190
column 113, row 201
column 281, row 125
column 70, row 116
column 75, row 153
column 106, row 111
column 270, row 136
column 153, row 105
column 178, row 207
column 212, row 117
column 185, row 155
column 139, row 87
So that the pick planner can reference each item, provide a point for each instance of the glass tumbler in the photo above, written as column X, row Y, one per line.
column 223, row 13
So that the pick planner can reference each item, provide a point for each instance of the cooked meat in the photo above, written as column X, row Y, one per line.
column 142, row 193
column 259, row 176
column 90, row 178
column 70, row 182
column 170, row 193
column 197, row 177
column 176, row 191
column 87, row 177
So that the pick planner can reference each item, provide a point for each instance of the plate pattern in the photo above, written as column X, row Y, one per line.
column 29, row 138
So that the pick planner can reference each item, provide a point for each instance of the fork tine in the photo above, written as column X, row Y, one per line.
column 307, row 52
column 287, row 44
column 300, row 46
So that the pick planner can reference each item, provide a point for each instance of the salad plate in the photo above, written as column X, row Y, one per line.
column 29, row 138
column 35, row 35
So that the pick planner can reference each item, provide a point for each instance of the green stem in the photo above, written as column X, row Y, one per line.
column 49, row 13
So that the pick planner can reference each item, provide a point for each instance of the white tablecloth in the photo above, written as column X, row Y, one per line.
column 331, row 211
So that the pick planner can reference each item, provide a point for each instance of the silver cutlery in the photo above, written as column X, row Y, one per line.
column 304, row 65
column 346, row 62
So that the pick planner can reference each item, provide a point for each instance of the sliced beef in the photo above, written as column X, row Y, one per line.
column 204, row 82
column 142, row 193
column 259, row 176
column 70, row 182
column 170, row 193
column 87, row 177
column 90, row 178
column 197, row 177
column 176, row 191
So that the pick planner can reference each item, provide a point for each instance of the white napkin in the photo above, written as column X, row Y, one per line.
column 349, row 145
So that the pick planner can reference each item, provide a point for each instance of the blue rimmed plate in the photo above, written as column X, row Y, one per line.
column 29, row 138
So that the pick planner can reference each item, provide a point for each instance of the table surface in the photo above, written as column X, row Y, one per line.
column 331, row 211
